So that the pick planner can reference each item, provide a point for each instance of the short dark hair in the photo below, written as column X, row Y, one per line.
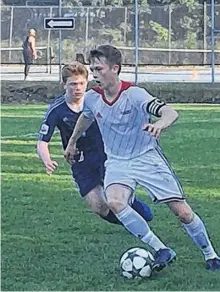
column 111, row 54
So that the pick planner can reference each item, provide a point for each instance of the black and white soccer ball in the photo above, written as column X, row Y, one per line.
column 136, row 263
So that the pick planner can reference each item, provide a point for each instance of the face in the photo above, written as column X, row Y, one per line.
column 103, row 74
column 75, row 87
column 32, row 32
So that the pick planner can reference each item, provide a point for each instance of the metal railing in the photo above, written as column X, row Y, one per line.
column 163, row 32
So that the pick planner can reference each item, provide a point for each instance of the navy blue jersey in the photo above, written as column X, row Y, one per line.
column 89, row 171
column 61, row 116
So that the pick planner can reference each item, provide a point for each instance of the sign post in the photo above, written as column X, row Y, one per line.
column 60, row 24
column 60, row 42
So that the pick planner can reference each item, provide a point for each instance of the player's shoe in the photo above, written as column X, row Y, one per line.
column 163, row 257
column 213, row 264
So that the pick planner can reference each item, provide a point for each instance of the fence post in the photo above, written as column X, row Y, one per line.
column 205, row 32
column 213, row 38
column 87, row 27
column 60, row 42
column 136, row 41
column 48, row 44
column 11, row 31
column 125, row 26
column 170, row 32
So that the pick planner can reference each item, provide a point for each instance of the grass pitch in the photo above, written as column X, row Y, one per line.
column 51, row 241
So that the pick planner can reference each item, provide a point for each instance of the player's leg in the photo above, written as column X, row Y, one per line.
column 142, row 208
column 139, row 206
column 26, row 70
column 164, row 187
column 89, row 184
column 95, row 199
column 89, row 180
column 197, row 231
column 97, row 204
column 29, row 62
column 26, row 65
column 118, row 195
column 192, row 223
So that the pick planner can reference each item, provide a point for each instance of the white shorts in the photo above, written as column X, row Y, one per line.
column 151, row 170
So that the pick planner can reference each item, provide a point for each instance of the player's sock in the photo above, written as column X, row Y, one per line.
column 135, row 224
column 198, row 233
column 111, row 218
column 142, row 209
column 139, row 206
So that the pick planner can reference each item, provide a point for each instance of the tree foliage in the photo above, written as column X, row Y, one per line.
column 162, row 23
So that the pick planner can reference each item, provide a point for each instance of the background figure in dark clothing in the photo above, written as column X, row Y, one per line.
column 29, row 51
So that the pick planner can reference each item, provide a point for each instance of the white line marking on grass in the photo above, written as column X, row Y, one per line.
column 19, row 136
column 23, row 136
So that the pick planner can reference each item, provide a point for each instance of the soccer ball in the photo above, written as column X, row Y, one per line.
column 136, row 263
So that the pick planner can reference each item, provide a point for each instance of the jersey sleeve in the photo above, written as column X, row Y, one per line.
column 87, row 106
column 145, row 101
column 48, row 125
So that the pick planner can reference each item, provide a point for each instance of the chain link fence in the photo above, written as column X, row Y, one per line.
column 168, row 35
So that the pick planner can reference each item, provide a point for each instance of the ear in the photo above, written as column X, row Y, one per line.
column 115, row 69
column 63, row 84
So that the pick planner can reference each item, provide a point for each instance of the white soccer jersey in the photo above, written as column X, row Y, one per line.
column 121, row 121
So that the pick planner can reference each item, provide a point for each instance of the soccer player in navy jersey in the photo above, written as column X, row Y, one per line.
column 123, row 113
column 88, row 171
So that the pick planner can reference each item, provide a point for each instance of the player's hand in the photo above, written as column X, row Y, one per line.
column 154, row 129
column 51, row 166
column 70, row 152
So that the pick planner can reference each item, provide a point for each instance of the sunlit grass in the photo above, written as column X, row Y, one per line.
column 51, row 241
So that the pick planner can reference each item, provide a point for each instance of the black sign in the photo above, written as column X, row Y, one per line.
column 59, row 23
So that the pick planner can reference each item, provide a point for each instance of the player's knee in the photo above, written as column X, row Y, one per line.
column 96, row 203
column 185, row 216
column 115, row 204
column 102, row 210
column 182, row 210
column 117, row 197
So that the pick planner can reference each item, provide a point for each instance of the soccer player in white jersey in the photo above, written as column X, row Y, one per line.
column 88, row 171
column 123, row 113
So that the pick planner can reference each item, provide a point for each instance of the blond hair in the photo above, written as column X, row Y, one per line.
column 74, row 69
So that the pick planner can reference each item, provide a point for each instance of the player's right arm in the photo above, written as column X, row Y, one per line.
column 45, row 133
column 83, row 123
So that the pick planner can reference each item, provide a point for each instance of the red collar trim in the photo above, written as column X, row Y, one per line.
column 124, row 86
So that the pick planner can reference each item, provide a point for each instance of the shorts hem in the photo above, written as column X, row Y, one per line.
column 85, row 193
column 118, row 183
column 167, row 200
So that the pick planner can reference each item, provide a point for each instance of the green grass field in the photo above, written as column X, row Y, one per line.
column 51, row 241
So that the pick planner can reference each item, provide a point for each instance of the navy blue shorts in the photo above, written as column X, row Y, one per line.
column 90, row 172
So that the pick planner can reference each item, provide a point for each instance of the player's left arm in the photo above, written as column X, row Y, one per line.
column 151, row 105
column 166, row 114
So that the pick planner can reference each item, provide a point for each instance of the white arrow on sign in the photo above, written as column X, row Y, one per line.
column 62, row 23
